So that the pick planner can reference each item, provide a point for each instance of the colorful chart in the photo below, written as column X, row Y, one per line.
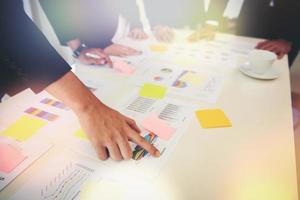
column 189, row 78
column 54, row 103
column 139, row 152
column 179, row 84
column 41, row 114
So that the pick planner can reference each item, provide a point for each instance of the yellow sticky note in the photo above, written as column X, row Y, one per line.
column 81, row 134
column 213, row 118
column 160, row 48
column 193, row 78
column 24, row 128
column 153, row 91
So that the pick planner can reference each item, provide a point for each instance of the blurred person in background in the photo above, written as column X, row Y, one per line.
column 88, row 26
column 273, row 20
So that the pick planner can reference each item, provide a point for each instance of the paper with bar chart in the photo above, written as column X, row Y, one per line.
column 61, row 178
column 196, row 84
column 162, row 123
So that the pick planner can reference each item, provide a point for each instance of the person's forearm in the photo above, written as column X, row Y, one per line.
column 74, row 44
column 72, row 92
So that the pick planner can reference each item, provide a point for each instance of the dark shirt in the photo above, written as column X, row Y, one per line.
column 175, row 13
column 27, row 60
column 94, row 22
column 261, row 19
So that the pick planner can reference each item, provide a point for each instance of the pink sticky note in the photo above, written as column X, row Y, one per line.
column 10, row 158
column 159, row 127
column 123, row 67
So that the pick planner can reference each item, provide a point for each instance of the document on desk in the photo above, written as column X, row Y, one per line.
column 62, row 177
column 198, row 84
column 23, row 139
column 171, row 115
column 15, row 157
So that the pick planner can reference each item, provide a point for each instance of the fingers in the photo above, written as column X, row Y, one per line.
column 281, row 55
column 132, row 124
column 138, row 34
column 103, row 58
column 114, row 151
column 261, row 44
column 125, row 148
column 95, row 57
column 201, row 35
column 139, row 140
column 122, row 51
column 129, row 51
column 100, row 150
column 164, row 34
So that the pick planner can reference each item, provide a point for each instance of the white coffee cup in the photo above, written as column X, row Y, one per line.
column 260, row 61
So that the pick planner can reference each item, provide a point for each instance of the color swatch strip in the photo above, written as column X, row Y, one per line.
column 41, row 114
column 54, row 103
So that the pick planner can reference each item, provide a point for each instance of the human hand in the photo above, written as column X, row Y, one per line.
column 205, row 33
column 121, row 50
column 279, row 47
column 138, row 34
column 94, row 56
column 110, row 133
column 164, row 33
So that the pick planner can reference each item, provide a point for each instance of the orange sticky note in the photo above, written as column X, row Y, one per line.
column 123, row 67
column 10, row 158
column 159, row 127
column 213, row 118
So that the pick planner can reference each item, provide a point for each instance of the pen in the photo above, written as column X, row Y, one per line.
column 91, row 55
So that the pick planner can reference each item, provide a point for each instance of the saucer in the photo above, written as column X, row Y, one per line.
column 270, row 74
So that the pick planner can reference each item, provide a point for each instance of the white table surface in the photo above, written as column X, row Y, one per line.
column 253, row 160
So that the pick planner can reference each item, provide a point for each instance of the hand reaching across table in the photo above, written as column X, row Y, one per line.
column 279, row 47
column 121, row 50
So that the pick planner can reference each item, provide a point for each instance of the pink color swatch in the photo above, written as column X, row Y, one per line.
column 159, row 127
column 123, row 67
column 10, row 158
